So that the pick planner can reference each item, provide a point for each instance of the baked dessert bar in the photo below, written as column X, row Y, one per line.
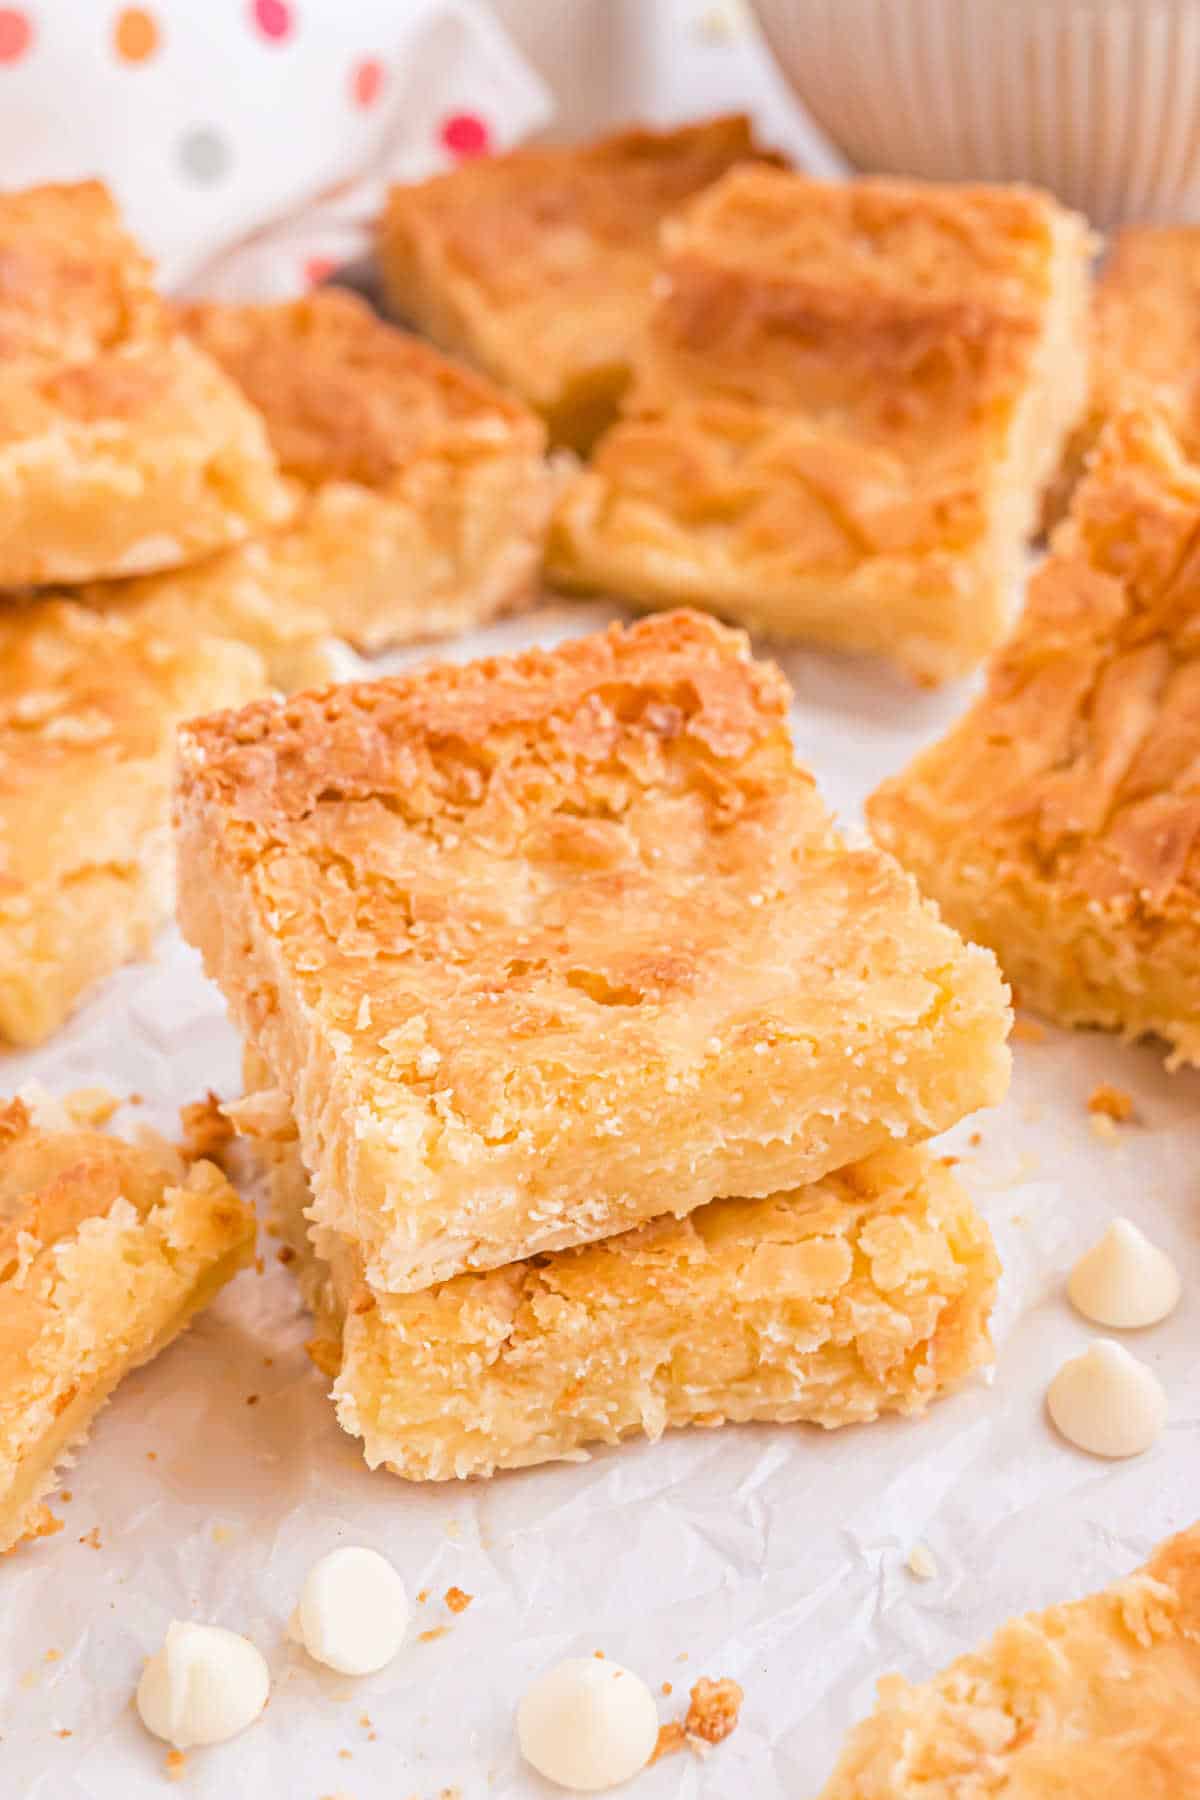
column 264, row 593
column 867, row 1292
column 122, row 448
column 1059, row 821
column 538, row 265
column 1098, row 1697
column 107, row 1250
column 846, row 404
column 422, row 491
column 540, row 947
column 88, row 710
column 1145, row 342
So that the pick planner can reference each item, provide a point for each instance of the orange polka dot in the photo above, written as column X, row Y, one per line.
column 16, row 34
column 135, row 34
column 367, row 81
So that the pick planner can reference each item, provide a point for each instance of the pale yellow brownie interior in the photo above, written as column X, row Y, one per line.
column 1099, row 1697
column 540, row 947
column 106, row 1251
column 1059, row 821
column 88, row 711
column 868, row 1292
column 845, row 406
column 538, row 265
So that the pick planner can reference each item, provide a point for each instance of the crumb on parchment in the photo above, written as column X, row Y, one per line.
column 1111, row 1102
column 206, row 1130
column 456, row 1600
column 712, row 1714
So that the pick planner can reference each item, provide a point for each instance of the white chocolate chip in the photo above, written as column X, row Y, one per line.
column 205, row 1685
column 1124, row 1280
column 587, row 1724
column 1107, row 1402
column 353, row 1611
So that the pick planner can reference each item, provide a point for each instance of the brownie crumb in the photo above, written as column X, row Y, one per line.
column 714, row 1710
column 712, row 1714
column 206, row 1130
column 1111, row 1103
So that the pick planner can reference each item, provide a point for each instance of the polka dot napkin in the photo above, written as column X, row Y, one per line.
column 250, row 141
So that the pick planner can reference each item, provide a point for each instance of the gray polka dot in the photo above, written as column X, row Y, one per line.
column 204, row 155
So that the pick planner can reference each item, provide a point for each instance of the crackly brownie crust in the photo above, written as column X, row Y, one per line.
column 538, row 265
column 541, row 946
column 122, row 448
column 1145, row 343
column 423, row 491
column 868, row 1292
column 1101, row 1696
column 1059, row 821
column 107, row 1250
column 88, row 711
column 846, row 403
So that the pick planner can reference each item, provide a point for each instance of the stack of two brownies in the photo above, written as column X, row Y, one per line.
column 588, row 1057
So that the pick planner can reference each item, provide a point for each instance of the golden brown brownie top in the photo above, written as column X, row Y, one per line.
column 910, row 312
column 344, row 395
column 514, row 223
column 609, row 848
column 879, row 240
column 1081, row 763
column 625, row 697
column 72, row 282
column 1146, row 327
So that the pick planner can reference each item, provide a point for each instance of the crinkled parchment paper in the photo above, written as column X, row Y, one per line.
column 778, row 1556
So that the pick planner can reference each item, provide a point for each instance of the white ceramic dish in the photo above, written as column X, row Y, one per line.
column 1098, row 100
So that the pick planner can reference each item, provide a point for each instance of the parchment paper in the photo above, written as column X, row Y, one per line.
column 778, row 1556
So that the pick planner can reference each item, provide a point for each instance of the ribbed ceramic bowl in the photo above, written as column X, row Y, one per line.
column 1098, row 100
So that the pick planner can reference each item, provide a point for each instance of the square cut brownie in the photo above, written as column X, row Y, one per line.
column 1145, row 342
column 1099, row 1697
column 865, row 1293
column 1059, row 821
column 122, row 447
column 845, row 406
column 538, row 265
column 88, row 711
column 540, row 947
column 422, row 490
column 107, row 1250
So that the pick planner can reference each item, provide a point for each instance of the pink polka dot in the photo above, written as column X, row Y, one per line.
column 465, row 134
column 273, row 18
column 16, row 34
column 366, row 82
column 317, row 268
